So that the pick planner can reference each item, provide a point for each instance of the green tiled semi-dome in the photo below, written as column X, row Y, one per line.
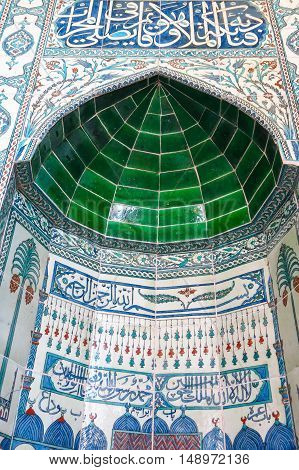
column 157, row 161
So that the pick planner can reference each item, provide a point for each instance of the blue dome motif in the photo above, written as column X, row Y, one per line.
column 279, row 436
column 60, row 434
column 29, row 426
column 160, row 426
column 248, row 439
column 215, row 439
column 91, row 437
column 127, row 422
column 183, row 425
column 5, row 444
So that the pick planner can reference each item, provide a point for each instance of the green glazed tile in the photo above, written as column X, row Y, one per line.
column 228, row 222
column 148, row 142
column 260, row 136
column 143, row 161
column 246, row 123
column 225, row 204
column 69, row 159
column 136, row 197
column 56, row 134
column 178, row 180
column 182, row 215
column 223, row 134
column 116, row 151
column 258, row 174
column 194, row 135
column 71, row 121
column 261, row 194
column 248, row 162
column 82, row 145
column 52, row 190
column 149, row 155
column 152, row 124
column 220, row 187
column 173, row 142
column 91, row 202
column 126, row 107
column 178, row 198
column 97, row 132
column 88, row 219
column 106, row 167
column 127, row 135
column 111, row 120
column 45, row 147
column 204, row 152
column 97, row 185
column 87, row 110
column 59, row 173
column 176, row 161
column 213, row 169
column 139, row 179
column 237, row 147
column 169, row 124
column 176, row 233
column 132, row 232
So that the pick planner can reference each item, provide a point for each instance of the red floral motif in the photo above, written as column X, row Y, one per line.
column 250, row 342
column 116, row 348
column 14, row 283
column 187, row 292
column 149, row 352
column 56, row 332
column 29, row 294
column 138, row 350
column 160, row 353
column 194, row 351
column 182, row 351
column 296, row 283
column 285, row 297
column 171, row 352
column 205, row 350
column 228, row 347
column 127, row 349
column 239, row 345
column 261, row 340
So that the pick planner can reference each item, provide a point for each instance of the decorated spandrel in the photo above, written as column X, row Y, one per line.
column 168, row 24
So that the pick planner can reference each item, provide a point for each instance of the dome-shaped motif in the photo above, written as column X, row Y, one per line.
column 5, row 444
column 279, row 436
column 158, row 162
column 248, row 439
column 160, row 426
column 29, row 426
column 91, row 437
column 215, row 439
column 127, row 422
column 183, row 425
column 60, row 434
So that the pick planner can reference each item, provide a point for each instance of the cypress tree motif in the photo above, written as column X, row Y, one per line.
column 287, row 267
column 25, row 272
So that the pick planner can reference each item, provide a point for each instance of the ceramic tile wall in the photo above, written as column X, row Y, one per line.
column 284, row 269
column 158, row 341
column 39, row 83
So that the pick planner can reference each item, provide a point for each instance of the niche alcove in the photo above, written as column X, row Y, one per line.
column 170, row 276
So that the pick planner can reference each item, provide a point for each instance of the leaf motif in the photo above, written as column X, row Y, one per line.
column 160, row 298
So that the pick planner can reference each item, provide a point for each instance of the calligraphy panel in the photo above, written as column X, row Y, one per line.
column 161, row 25
column 200, row 391
column 233, row 293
